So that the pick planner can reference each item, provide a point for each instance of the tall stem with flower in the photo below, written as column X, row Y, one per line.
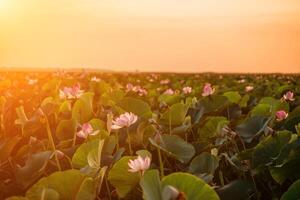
column 50, row 138
column 125, row 120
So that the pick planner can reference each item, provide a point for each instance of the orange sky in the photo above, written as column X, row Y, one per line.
column 152, row 35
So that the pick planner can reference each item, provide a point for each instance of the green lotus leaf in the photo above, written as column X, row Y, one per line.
column 293, row 193
column 123, row 180
column 7, row 146
column 191, row 186
column 65, row 108
column 79, row 158
column 136, row 106
column 268, row 106
column 205, row 163
column 175, row 115
column 175, row 147
column 169, row 99
column 66, row 129
column 233, row 96
column 69, row 184
column 33, row 168
column 238, row 189
column 151, row 185
column 83, row 108
column 212, row 127
column 268, row 150
column 212, row 103
column 244, row 101
column 289, row 170
column 252, row 127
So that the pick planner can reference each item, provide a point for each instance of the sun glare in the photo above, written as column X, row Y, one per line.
column 3, row 3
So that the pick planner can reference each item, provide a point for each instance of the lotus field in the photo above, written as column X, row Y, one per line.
column 87, row 135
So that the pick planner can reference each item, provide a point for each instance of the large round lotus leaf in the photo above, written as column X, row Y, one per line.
column 79, row 158
column 191, row 186
column 83, row 108
column 111, row 98
column 238, row 189
column 182, row 129
column 212, row 103
column 100, row 87
column 33, row 168
column 293, row 119
column 261, row 110
column 144, row 153
column 7, row 145
column 251, row 127
column 123, row 180
column 169, row 99
column 213, row 127
column 275, row 104
column 266, row 152
column 175, row 147
column 70, row 184
column 175, row 115
column 205, row 163
column 17, row 198
column 289, row 170
column 136, row 106
column 65, row 107
column 94, row 151
column 51, row 86
column 282, row 89
column 151, row 185
column 66, row 129
column 97, row 124
column 244, row 101
column 49, row 194
column 233, row 96
column 293, row 192
column 268, row 106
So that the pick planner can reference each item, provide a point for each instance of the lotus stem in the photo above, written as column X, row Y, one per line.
column 161, row 164
column 170, row 125
column 129, row 141
column 74, row 139
column 52, row 142
column 70, row 161
column 117, row 137
column 107, row 188
column 221, row 178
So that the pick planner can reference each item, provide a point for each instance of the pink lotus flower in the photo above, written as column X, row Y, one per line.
column 165, row 82
column 242, row 81
column 249, row 88
column 95, row 79
column 139, row 164
column 60, row 155
column 142, row 92
column 71, row 92
column 129, row 87
column 32, row 140
column 169, row 92
column 86, row 130
column 32, row 81
column 288, row 96
column 281, row 115
column 124, row 120
column 214, row 152
column 187, row 90
column 137, row 89
column 208, row 90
